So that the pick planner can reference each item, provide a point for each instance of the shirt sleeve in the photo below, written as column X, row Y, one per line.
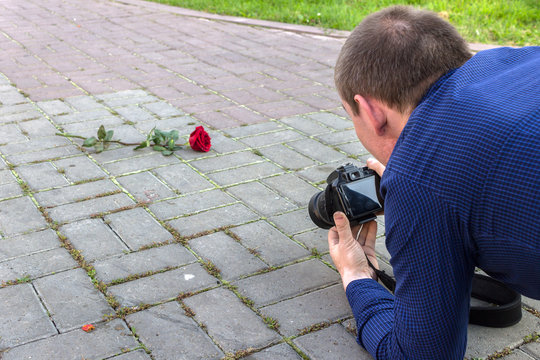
column 427, row 318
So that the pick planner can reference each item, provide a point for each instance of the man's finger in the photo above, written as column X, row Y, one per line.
column 371, row 234
column 376, row 166
column 342, row 225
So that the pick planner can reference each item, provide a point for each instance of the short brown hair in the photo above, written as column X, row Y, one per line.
column 396, row 54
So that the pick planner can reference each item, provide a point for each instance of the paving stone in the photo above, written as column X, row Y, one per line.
column 169, row 334
column 532, row 303
column 10, row 190
column 293, row 222
column 292, row 187
column 306, row 125
column 14, row 109
column 245, row 173
column 317, row 151
column 289, row 281
column 163, row 286
column 37, row 155
column 314, row 239
column 276, row 352
column 109, row 338
column 532, row 348
column 84, row 209
column 254, row 129
column 154, row 259
column 72, row 299
column 273, row 247
column 83, row 103
column 517, row 355
column 332, row 120
column 184, row 124
column 183, row 178
column 134, row 113
column 230, row 323
column 28, row 244
column 338, row 137
column 223, row 144
column 37, row 264
column 260, row 198
column 137, row 228
column 35, row 145
column 117, row 102
column 226, row 161
column 286, row 157
column 134, row 355
column 293, row 315
column 163, row 109
column 319, row 174
column 93, row 238
column 20, row 215
column 120, row 153
column 140, row 163
column 231, row 258
column 41, row 176
column 145, row 187
column 354, row 148
column 89, row 127
column 83, row 116
column 343, row 346
column 480, row 339
column 75, row 193
column 277, row 137
column 23, row 317
column 37, row 128
column 191, row 204
column 54, row 107
column 79, row 168
column 11, row 133
column 235, row 214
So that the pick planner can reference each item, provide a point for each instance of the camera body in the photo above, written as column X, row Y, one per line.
column 350, row 189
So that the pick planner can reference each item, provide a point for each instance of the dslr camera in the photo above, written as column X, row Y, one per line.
column 350, row 189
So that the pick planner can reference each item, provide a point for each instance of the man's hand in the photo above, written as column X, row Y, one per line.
column 348, row 253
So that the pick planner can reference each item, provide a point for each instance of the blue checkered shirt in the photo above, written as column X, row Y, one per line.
column 462, row 190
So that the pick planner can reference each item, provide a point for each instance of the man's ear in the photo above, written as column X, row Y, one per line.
column 372, row 112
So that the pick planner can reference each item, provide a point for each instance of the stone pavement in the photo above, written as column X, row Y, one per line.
column 191, row 256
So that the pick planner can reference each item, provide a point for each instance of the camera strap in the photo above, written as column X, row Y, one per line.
column 504, row 304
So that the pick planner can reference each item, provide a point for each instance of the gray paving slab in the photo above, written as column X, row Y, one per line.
column 286, row 157
column 28, row 244
column 24, row 318
column 272, row 246
column 231, row 215
column 78, row 169
column 169, row 334
column 287, row 282
column 245, row 173
column 74, row 193
column 162, row 286
column 145, row 187
column 259, row 197
column 230, row 257
column 183, row 178
column 342, row 346
column 136, row 228
column 20, row 215
column 296, row 314
column 532, row 349
column 314, row 239
column 37, row 264
column 277, row 352
column 293, row 222
column 234, row 326
column 140, row 262
column 133, row 355
column 42, row 176
column 93, row 238
column 109, row 338
column 72, row 299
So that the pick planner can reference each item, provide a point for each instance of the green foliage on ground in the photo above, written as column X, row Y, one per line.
column 503, row 22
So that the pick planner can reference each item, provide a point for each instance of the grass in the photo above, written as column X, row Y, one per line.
column 503, row 22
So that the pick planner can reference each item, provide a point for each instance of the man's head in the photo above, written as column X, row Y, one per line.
column 395, row 55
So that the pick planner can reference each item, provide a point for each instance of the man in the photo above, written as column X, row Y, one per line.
column 460, row 139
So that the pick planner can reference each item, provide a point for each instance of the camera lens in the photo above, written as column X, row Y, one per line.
column 318, row 213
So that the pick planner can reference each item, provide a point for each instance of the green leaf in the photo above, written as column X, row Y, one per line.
column 167, row 152
column 174, row 134
column 99, row 147
column 170, row 144
column 177, row 147
column 89, row 142
column 142, row 145
column 159, row 148
column 101, row 134
column 109, row 135
column 157, row 139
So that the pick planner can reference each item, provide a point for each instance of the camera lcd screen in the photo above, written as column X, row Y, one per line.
column 361, row 196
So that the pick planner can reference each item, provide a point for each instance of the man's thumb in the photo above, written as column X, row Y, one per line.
column 342, row 225
column 376, row 166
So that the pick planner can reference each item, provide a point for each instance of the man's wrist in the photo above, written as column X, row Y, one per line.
column 349, row 276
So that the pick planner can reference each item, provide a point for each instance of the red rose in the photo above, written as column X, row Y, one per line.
column 199, row 140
